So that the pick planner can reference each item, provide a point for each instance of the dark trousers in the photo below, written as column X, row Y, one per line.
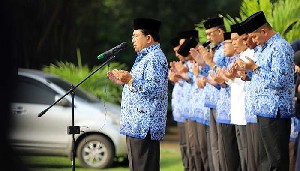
column 213, row 133
column 297, row 151
column 274, row 139
column 228, row 148
column 143, row 154
column 253, row 162
column 292, row 155
column 194, row 155
column 182, row 144
column 241, row 137
column 202, row 141
column 210, row 160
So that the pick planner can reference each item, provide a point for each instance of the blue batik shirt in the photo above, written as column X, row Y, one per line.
column 223, row 114
column 273, row 83
column 186, row 91
column 198, row 111
column 295, row 126
column 249, row 112
column 176, row 103
column 212, row 93
column 144, row 103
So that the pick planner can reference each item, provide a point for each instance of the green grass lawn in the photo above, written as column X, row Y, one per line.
column 170, row 161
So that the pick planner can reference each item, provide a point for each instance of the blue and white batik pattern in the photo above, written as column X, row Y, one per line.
column 211, row 92
column 144, row 103
column 198, row 111
column 250, row 116
column 273, row 83
column 223, row 114
column 176, row 103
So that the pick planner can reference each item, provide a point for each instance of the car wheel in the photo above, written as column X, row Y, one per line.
column 95, row 151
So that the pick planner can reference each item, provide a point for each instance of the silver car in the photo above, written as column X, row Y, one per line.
column 97, row 145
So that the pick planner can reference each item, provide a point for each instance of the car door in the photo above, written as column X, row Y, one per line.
column 46, row 134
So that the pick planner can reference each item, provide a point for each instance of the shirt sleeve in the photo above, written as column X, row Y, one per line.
column 280, row 67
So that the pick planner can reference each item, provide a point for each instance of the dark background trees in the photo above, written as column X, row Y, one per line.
column 76, row 31
column 56, row 30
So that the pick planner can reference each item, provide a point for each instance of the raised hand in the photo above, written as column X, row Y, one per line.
column 195, row 68
column 201, row 82
column 197, row 56
column 114, row 78
column 207, row 56
column 122, row 75
column 245, row 65
column 180, row 68
column 215, row 77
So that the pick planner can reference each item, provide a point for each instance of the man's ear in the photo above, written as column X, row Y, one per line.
column 263, row 31
column 149, row 38
column 221, row 32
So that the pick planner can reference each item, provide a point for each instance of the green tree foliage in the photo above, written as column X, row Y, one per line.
column 283, row 15
column 98, row 84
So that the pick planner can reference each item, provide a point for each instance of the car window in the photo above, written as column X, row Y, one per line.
column 78, row 92
column 29, row 90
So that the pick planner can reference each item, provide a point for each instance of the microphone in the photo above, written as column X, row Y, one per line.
column 209, row 46
column 113, row 51
column 206, row 44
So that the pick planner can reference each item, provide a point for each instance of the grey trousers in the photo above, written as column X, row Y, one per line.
column 202, row 141
column 213, row 133
column 253, row 163
column 241, row 137
column 183, row 145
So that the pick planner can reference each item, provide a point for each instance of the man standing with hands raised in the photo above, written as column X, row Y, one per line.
column 273, row 91
column 144, row 98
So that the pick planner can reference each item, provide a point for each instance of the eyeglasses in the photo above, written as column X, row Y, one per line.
column 211, row 32
column 135, row 36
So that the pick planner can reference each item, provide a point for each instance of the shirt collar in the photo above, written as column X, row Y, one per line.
column 270, row 41
column 220, row 45
column 146, row 50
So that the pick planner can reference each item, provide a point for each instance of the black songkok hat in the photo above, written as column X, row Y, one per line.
column 146, row 24
column 297, row 58
column 187, row 34
column 189, row 43
column 174, row 42
column 237, row 28
column 255, row 21
column 227, row 35
column 213, row 22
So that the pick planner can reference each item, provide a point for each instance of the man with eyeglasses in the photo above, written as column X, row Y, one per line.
column 145, row 97
column 214, row 29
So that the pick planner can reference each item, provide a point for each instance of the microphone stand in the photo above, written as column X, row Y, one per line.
column 75, row 129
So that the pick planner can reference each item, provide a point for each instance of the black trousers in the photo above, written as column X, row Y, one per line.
column 253, row 162
column 241, row 137
column 274, row 143
column 297, row 151
column 228, row 148
column 143, row 154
